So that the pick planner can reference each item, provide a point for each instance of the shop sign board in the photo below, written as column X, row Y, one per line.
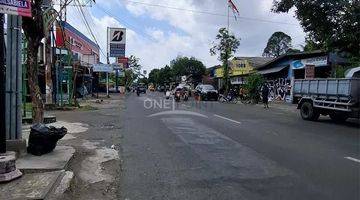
column 16, row 7
column 316, row 61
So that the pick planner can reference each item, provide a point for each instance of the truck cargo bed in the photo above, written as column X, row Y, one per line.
column 346, row 88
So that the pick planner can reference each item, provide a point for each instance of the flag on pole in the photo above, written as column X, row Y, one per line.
column 234, row 8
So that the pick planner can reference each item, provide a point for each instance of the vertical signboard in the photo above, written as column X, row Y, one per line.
column 124, row 61
column 116, row 42
column 16, row 7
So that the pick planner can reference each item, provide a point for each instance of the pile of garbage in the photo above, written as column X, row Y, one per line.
column 43, row 139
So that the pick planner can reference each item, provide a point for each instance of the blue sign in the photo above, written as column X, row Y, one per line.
column 117, row 50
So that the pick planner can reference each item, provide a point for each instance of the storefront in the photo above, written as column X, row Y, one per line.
column 84, row 54
column 294, row 65
column 240, row 68
column 280, row 71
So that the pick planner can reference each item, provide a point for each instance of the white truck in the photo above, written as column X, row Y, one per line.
column 338, row 98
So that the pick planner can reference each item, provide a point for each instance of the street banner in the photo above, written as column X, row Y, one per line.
column 116, row 42
column 16, row 7
column 317, row 61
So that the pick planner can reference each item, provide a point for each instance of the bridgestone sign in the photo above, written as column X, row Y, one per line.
column 116, row 42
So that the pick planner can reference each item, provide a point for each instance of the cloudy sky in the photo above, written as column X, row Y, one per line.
column 160, row 30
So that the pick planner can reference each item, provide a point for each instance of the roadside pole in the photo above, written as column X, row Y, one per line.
column 2, row 87
column 116, row 80
column 108, row 62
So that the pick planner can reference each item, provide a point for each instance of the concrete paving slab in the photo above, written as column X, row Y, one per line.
column 63, row 185
column 56, row 160
column 30, row 186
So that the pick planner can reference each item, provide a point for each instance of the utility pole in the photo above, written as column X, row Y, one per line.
column 2, row 87
column 228, row 17
column 108, row 62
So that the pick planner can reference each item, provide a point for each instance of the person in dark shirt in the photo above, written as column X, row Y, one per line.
column 265, row 95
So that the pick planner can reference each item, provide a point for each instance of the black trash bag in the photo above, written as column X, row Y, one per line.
column 43, row 139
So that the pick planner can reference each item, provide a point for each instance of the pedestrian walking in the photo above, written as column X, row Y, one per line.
column 265, row 95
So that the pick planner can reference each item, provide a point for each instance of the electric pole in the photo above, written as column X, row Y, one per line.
column 2, row 86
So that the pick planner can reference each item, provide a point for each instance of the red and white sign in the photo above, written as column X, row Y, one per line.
column 16, row 7
column 124, row 61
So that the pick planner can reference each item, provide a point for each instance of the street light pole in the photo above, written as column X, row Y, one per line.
column 2, row 87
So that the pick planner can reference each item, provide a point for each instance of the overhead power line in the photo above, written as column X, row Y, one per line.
column 146, row 35
column 89, row 28
column 208, row 12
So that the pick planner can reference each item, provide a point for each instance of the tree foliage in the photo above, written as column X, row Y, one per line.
column 331, row 25
column 161, row 76
column 181, row 66
column 253, row 85
column 226, row 45
column 184, row 66
column 135, row 66
column 278, row 44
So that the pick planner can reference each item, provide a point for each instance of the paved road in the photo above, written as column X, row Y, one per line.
column 224, row 151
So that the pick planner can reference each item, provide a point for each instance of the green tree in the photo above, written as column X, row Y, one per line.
column 226, row 45
column 34, row 33
column 154, row 76
column 129, row 78
column 135, row 66
column 278, row 44
column 143, row 80
column 253, row 85
column 165, row 75
column 331, row 25
column 184, row 66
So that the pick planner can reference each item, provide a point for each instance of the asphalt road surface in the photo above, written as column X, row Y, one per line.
column 210, row 150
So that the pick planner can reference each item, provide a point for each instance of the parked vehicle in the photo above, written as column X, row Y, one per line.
column 185, row 94
column 167, row 94
column 142, row 89
column 178, row 94
column 151, row 88
column 338, row 98
column 161, row 88
column 230, row 98
column 206, row 92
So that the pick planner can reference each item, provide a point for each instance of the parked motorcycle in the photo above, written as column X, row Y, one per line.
column 177, row 95
column 167, row 94
column 186, row 95
column 230, row 98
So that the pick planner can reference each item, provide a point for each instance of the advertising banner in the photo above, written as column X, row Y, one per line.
column 124, row 61
column 16, row 7
column 316, row 61
column 116, row 42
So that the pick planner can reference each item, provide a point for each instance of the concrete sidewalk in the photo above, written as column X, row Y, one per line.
column 45, row 177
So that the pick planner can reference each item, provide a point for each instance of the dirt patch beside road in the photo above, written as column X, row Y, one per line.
column 95, row 134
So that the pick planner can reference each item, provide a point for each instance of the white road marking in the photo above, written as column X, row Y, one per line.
column 353, row 159
column 219, row 116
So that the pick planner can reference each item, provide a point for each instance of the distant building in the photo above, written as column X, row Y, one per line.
column 83, row 49
column 280, row 71
column 293, row 65
column 240, row 67
column 84, row 53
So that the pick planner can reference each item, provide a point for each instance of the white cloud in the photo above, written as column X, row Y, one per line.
column 196, row 31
